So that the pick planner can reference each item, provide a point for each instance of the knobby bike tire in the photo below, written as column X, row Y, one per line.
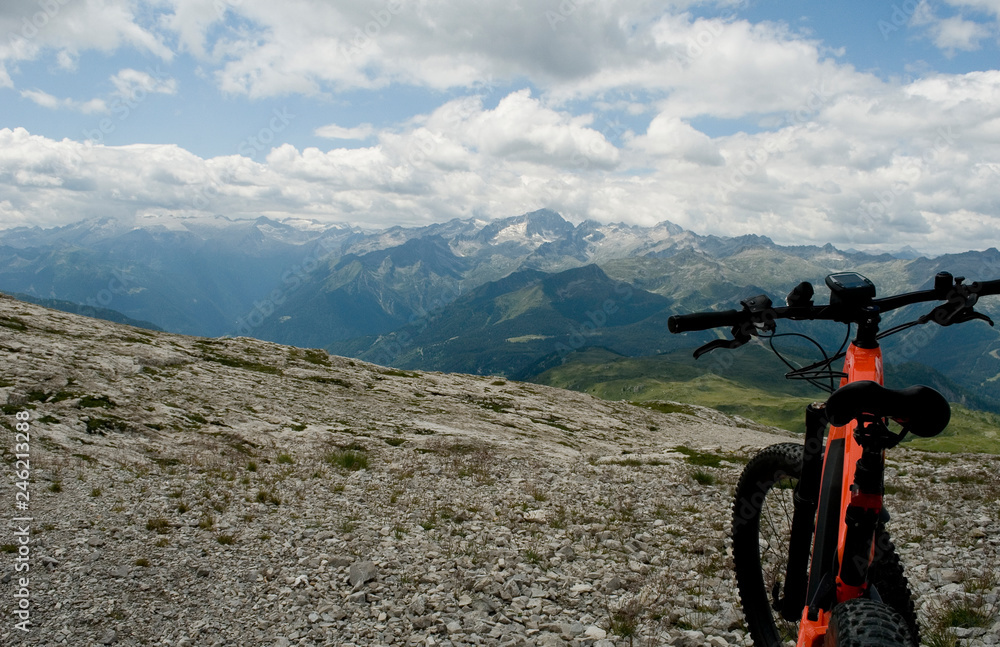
column 866, row 623
column 762, row 520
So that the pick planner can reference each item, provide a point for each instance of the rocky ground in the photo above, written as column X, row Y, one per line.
column 189, row 491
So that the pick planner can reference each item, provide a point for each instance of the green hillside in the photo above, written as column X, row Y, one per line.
column 751, row 386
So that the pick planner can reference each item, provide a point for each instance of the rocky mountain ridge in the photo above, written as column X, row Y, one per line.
column 192, row 491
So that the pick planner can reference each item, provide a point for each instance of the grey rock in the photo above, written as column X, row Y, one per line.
column 362, row 572
column 423, row 622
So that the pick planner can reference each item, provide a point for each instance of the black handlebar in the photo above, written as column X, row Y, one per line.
column 944, row 290
column 703, row 321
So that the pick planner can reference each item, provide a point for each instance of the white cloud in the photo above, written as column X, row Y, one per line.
column 333, row 131
column 898, row 166
column 129, row 83
column 955, row 33
column 669, row 137
column 722, row 67
column 842, row 155
column 47, row 100
column 69, row 27
column 985, row 6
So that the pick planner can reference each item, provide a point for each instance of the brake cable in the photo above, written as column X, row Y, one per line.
column 810, row 373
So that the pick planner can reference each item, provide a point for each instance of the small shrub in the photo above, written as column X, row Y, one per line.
column 158, row 525
column 537, row 493
column 56, row 486
column 96, row 492
column 266, row 496
column 348, row 459
column 142, row 561
column 703, row 478
column 624, row 620
column 225, row 540
column 285, row 459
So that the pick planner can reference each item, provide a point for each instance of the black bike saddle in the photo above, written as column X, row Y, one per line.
column 920, row 409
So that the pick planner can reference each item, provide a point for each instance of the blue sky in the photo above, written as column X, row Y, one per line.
column 865, row 124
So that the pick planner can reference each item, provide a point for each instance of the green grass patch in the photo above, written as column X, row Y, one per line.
column 100, row 426
column 347, row 459
column 701, row 477
column 96, row 402
column 699, row 458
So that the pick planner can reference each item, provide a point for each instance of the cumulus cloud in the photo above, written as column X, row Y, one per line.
column 71, row 27
column 905, row 165
column 838, row 155
column 669, row 137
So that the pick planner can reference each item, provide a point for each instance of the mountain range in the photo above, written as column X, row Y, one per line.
column 515, row 296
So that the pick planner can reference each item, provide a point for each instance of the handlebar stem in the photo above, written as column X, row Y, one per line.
column 867, row 336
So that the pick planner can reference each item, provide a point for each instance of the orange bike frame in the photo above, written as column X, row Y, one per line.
column 860, row 364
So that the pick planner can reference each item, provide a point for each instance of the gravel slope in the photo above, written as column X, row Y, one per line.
column 234, row 492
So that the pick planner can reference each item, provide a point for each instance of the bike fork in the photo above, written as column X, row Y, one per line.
column 806, row 499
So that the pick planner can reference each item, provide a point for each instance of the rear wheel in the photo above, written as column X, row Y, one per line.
column 866, row 623
column 762, row 523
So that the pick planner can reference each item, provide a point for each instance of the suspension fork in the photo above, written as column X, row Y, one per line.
column 806, row 499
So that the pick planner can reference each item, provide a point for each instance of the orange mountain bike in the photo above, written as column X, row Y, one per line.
column 813, row 560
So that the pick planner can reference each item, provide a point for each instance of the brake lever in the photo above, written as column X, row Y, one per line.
column 717, row 343
column 959, row 308
column 946, row 317
column 740, row 337
column 759, row 309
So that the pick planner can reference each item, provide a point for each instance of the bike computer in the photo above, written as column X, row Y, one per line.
column 850, row 288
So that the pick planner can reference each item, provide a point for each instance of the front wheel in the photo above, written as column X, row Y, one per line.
column 762, row 526
column 866, row 623
column 762, row 523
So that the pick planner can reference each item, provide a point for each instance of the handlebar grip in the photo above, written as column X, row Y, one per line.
column 703, row 321
column 988, row 288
